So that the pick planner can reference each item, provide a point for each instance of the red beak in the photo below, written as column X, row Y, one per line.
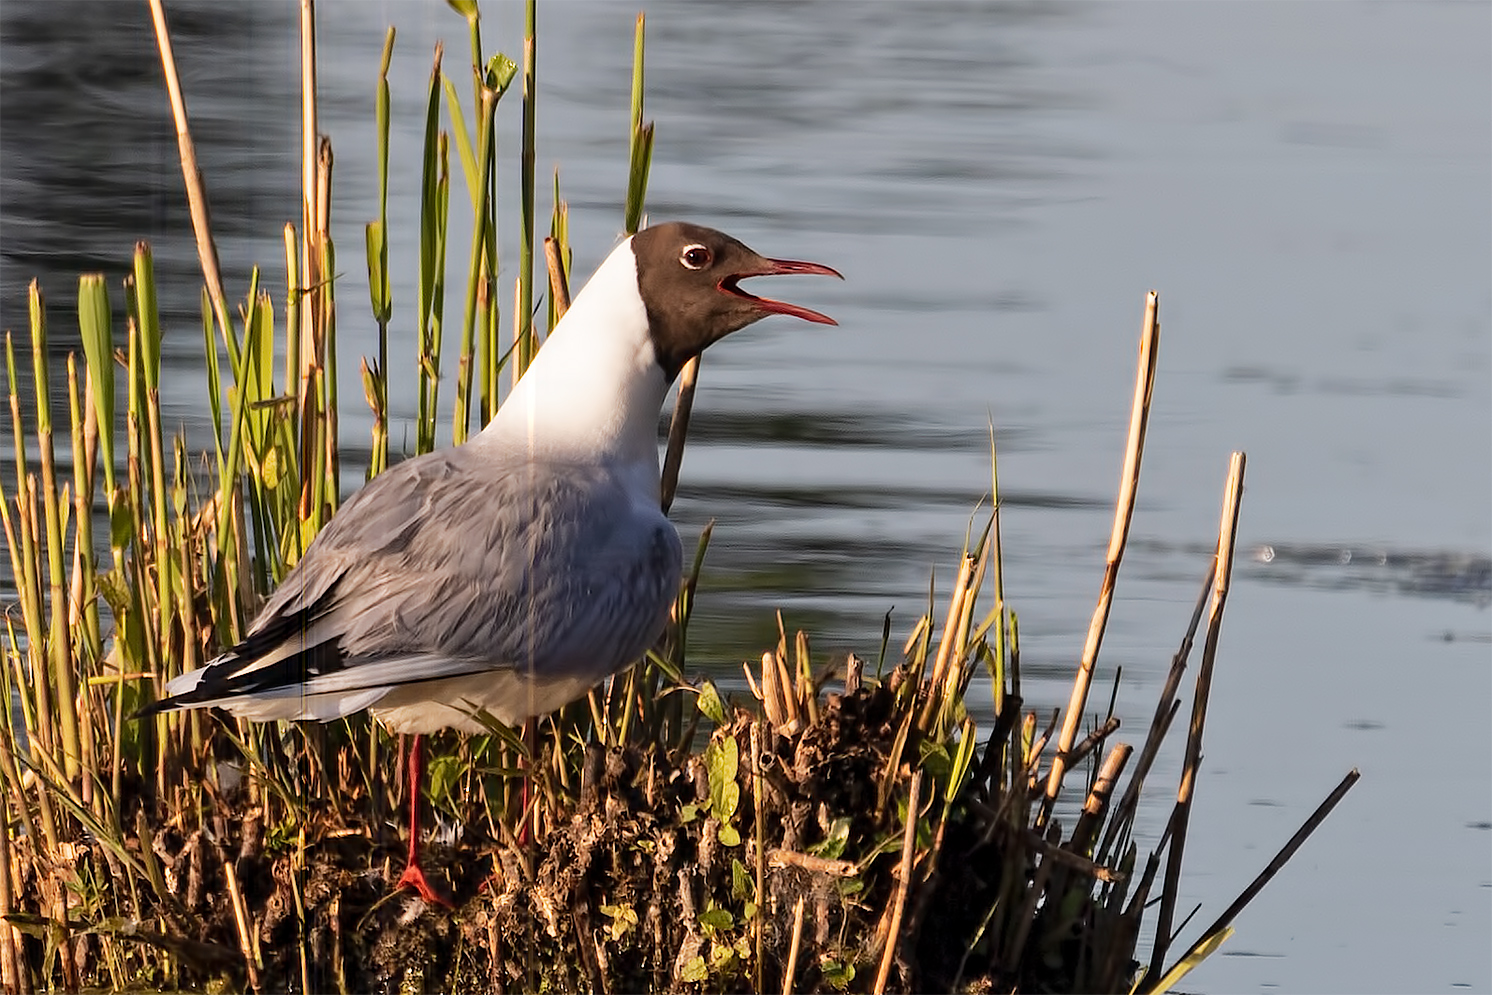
column 781, row 267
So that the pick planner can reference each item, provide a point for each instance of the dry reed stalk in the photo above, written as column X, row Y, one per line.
column 292, row 315
column 207, row 250
column 903, row 883
column 559, row 286
column 678, row 430
column 1227, row 536
column 309, row 128
column 778, row 857
column 1097, row 802
column 960, row 675
column 1033, row 756
column 945, row 658
column 797, row 941
column 241, row 921
column 9, row 968
column 313, row 292
column 1093, row 739
column 1123, row 511
column 787, row 699
column 326, row 339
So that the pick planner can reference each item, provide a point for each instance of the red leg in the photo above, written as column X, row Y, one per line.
column 414, row 876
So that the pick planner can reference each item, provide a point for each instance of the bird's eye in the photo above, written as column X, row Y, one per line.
column 695, row 257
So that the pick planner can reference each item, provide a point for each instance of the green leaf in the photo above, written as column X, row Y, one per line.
column 622, row 920
column 730, row 801
column 1183, row 967
column 269, row 468
column 710, row 703
column 695, row 970
column 833, row 843
column 718, row 919
column 741, row 884
column 935, row 760
column 839, row 976
column 444, row 772
column 378, row 266
column 115, row 590
column 730, row 835
column 121, row 523
column 500, row 73
column 722, row 957
column 722, row 762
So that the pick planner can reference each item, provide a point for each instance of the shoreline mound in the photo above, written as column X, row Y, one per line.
column 782, row 846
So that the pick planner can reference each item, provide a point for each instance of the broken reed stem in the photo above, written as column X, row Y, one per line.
column 797, row 941
column 1123, row 511
column 778, row 857
column 1097, row 803
column 1273, row 867
column 207, row 250
column 903, row 883
column 1166, row 707
column 678, row 429
column 1053, row 852
column 241, row 921
column 1093, row 739
column 1227, row 536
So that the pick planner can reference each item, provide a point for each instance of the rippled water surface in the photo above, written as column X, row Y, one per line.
column 1307, row 185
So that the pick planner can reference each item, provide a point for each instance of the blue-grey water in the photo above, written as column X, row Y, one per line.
column 1307, row 185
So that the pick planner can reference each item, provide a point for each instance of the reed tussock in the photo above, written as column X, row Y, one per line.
column 846, row 827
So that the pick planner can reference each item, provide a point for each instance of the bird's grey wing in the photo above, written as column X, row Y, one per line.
column 551, row 570
column 440, row 567
column 295, row 634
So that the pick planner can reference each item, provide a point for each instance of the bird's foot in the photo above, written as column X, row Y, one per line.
column 414, row 879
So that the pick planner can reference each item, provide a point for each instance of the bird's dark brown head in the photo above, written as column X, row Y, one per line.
column 689, row 278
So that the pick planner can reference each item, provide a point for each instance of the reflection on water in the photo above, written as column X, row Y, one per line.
column 1307, row 185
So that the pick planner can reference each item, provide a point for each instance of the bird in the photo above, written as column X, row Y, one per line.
column 514, row 572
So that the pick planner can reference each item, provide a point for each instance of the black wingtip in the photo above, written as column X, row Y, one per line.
column 156, row 708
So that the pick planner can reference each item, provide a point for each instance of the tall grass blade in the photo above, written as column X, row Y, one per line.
column 379, row 292
column 524, row 338
column 95, row 327
column 430, row 302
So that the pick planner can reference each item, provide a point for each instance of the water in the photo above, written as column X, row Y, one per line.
column 1306, row 184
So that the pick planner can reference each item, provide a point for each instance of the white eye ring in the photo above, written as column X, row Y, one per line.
column 696, row 256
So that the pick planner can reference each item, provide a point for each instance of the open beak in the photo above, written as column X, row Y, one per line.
column 780, row 267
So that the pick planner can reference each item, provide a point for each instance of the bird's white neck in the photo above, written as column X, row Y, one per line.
column 594, row 390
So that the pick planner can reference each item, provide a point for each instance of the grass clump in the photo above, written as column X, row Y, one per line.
column 852, row 829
